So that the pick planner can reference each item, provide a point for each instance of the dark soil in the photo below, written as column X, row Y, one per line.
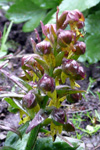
column 90, row 103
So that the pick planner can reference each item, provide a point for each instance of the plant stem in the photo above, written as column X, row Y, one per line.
column 5, row 34
column 32, row 138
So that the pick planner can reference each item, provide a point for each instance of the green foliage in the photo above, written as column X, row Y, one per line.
column 92, row 39
column 30, row 11
column 15, row 143
column 93, row 48
column 26, row 11
column 93, row 23
column 47, row 4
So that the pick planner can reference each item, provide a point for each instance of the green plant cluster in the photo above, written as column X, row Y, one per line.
column 44, row 82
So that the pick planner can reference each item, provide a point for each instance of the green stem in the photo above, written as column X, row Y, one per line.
column 5, row 35
column 32, row 138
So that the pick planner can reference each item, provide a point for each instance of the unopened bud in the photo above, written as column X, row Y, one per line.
column 59, row 116
column 44, row 47
column 73, row 69
column 46, row 83
column 74, row 98
column 62, row 19
column 65, row 37
column 75, row 17
column 80, row 48
column 49, row 26
column 29, row 61
column 80, row 24
column 29, row 100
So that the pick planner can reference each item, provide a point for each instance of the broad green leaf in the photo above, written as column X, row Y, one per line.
column 25, row 10
column 47, row 4
column 92, row 48
column 49, row 15
column 34, row 21
column 42, row 143
column 75, row 4
column 59, row 144
column 7, row 148
column 4, row 2
column 14, row 141
column 92, row 23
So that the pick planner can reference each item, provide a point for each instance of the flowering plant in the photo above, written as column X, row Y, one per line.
column 44, row 83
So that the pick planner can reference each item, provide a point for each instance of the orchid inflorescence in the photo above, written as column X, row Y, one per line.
column 47, row 71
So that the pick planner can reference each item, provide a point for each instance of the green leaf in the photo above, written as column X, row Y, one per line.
column 59, row 58
column 92, row 49
column 43, row 63
column 14, row 141
column 49, row 15
column 92, row 23
column 27, row 141
column 47, row 143
column 7, row 148
column 34, row 21
column 26, row 10
column 75, row 4
column 63, row 90
column 47, row 4
column 11, row 102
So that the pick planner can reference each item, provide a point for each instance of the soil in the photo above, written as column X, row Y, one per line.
column 90, row 103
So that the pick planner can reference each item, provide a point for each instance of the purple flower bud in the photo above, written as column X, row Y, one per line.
column 73, row 69
column 80, row 48
column 61, row 21
column 59, row 116
column 80, row 24
column 81, row 73
column 29, row 60
column 74, row 98
column 65, row 37
column 29, row 100
column 49, row 30
column 49, row 26
column 44, row 47
column 46, row 83
column 75, row 17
